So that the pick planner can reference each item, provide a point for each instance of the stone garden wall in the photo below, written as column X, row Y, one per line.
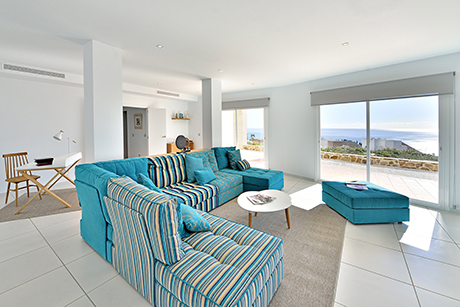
column 253, row 147
column 383, row 161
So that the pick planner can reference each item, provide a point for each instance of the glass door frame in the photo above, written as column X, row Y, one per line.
column 446, row 120
column 266, row 119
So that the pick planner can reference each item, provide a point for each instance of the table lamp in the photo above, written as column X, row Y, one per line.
column 58, row 137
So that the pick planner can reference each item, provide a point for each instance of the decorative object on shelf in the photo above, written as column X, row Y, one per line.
column 137, row 121
column 183, row 143
column 172, row 148
column 187, row 114
column 181, row 115
column 58, row 136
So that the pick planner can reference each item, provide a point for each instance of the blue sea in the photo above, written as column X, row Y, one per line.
column 426, row 142
column 258, row 133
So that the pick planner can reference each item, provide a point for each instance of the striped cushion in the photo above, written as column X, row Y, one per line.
column 159, row 212
column 222, row 271
column 243, row 165
column 167, row 170
column 129, row 224
column 192, row 194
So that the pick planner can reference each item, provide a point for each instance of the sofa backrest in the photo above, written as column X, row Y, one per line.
column 167, row 170
column 221, row 156
column 209, row 159
column 158, row 211
column 126, row 167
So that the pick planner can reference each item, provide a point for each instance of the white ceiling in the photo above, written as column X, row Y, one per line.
column 257, row 43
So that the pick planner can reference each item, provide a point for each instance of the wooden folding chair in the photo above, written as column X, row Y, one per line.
column 12, row 161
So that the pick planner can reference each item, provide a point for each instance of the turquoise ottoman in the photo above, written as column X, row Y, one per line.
column 376, row 205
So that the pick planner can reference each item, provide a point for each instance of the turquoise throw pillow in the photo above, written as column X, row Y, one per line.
column 233, row 156
column 243, row 165
column 148, row 183
column 221, row 156
column 191, row 165
column 193, row 220
column 180, row 225
column 204, row 176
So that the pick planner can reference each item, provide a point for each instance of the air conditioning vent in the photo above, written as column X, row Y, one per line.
column 33, row 71
column 168, row 94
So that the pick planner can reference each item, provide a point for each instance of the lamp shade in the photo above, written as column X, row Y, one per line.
column 58, row 136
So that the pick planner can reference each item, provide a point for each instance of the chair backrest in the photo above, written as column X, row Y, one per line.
column 12, row 161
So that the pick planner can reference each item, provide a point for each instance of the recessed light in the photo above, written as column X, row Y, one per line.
column 158, row 83
column 253, row 84
column 160, row 46
column 345, row 44
column 220, row 70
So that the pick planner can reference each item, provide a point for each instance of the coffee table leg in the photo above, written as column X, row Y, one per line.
column 287, row 218
column 250, row 219
column 255, row 213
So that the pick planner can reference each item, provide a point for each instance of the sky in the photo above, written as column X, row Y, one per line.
column 255, row 118
column 411, row 114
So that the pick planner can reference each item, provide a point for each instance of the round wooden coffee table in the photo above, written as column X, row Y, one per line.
column 282, row 202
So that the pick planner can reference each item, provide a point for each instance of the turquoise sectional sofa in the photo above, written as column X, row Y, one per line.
column 140, row 232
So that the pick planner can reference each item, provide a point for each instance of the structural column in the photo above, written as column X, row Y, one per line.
column 212, row 112
column 103, row 102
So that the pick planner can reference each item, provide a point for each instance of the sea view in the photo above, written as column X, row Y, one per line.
column 258, row 133
column 426, row 142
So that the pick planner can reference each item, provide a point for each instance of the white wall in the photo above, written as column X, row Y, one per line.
column 137, row 138
column 33, row 109
column 103, row 102
column 196, row 123
column 31, row 112
column 293, row 125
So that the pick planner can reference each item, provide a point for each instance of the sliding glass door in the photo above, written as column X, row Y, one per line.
column 244, row 129
column 343, row 127
column 402, row 147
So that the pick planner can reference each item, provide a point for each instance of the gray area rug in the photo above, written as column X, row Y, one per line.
column 47, row 206
column 312, row 251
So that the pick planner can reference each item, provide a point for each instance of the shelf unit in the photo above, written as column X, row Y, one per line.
column 180, row 118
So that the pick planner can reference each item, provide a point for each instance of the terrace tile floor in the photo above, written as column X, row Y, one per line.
column 415, row 184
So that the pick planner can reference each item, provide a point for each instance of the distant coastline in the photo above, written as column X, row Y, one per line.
column 426, row 142
column 258, row 133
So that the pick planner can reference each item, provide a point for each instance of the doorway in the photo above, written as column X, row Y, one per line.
column 135, row 132
column 245, row 129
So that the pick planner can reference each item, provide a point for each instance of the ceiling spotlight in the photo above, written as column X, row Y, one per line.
column 220, row 70
column 345, row 44
column 158, row 83
column 160, row 46
column 253, row 84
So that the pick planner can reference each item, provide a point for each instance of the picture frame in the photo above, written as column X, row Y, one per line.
column 137, row 121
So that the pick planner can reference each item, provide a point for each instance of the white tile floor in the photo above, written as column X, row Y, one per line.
column 44, row 261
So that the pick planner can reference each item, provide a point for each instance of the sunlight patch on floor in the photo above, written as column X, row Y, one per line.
column 420, row 232
column 307, row 198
